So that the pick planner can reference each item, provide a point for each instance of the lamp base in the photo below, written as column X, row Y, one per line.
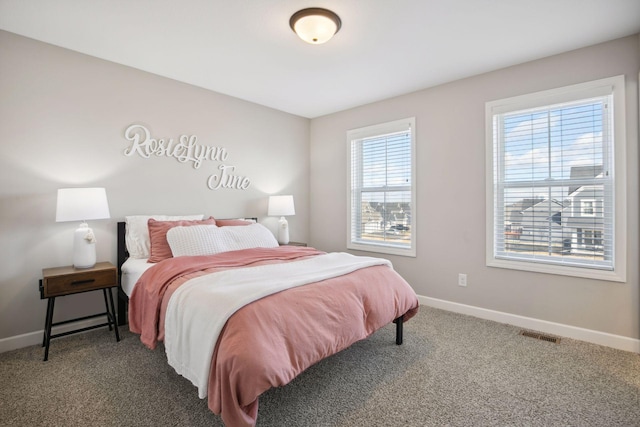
column 84, row 247
column 283, row 231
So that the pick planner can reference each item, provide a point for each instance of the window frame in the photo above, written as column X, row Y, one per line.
column 368, row 132
column 612, row 85
column 588, row 205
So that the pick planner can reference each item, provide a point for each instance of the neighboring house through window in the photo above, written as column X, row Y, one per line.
column 556, row 181
column 382, row 188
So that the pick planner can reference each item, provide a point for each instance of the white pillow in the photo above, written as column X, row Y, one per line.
column 211, row 239
column 137, row 232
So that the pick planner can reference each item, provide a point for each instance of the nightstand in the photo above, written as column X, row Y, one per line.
column 61, row 281
column 293, row 244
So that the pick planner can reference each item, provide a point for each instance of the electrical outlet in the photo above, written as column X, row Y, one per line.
column 462, row 279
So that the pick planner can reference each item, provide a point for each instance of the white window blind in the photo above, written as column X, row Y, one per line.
column 382, row 207
column 554, row 181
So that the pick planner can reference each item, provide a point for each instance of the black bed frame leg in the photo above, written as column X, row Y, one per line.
column 122, row 308
column 398, row 323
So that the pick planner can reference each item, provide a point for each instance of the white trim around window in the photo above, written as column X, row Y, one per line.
column 547, row 155
column 381, row 193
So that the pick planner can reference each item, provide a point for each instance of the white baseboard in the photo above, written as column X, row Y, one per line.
column 596, row 337
column 33, row 338
column 602, row 338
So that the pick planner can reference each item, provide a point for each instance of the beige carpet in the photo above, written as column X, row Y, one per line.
column 451, row 370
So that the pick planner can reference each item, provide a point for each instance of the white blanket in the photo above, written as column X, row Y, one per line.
column 199, row 309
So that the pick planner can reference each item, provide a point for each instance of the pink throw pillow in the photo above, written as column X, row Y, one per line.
column 159, row 249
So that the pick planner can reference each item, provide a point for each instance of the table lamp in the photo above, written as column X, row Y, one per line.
column 82, row 204
column 282, row 206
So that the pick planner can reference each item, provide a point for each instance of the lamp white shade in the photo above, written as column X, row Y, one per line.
column 281, row 206
column 81, row 204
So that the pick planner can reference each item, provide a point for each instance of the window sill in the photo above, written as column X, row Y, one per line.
column 382, row 249
column 588, row 273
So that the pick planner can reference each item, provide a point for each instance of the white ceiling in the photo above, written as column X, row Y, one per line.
column 245, row 48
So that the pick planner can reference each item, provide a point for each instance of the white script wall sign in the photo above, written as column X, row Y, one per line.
column 186, row 150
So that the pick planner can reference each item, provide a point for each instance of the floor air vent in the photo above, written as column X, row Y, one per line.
column 540, row 336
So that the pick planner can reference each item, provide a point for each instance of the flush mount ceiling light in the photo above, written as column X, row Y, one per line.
column 315, row 25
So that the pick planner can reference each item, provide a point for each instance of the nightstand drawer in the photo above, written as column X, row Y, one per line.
column 79, row 281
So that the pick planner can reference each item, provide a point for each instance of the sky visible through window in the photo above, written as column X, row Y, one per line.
column 386, row 164
column 545, row 144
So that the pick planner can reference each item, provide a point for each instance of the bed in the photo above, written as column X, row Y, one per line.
column 239, row 314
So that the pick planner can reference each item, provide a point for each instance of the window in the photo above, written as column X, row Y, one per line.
column 588, row 207
column 382, row 188
column 592, row 239
column 556, row 181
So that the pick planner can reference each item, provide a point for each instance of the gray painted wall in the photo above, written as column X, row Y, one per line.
column 62, row 121
column 450, row 132
column 62, row 118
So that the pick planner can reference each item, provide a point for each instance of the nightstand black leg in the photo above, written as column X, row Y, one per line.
column 46, row 322
column 49, row 322
column 111, row 314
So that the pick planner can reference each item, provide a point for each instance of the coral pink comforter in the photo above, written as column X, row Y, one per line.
column 267, row 343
